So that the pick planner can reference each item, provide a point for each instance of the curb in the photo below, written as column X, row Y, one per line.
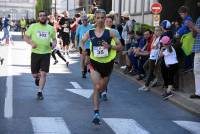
column 181, row 99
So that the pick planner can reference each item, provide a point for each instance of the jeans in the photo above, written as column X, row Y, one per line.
column 5, row 33
column 197, row 73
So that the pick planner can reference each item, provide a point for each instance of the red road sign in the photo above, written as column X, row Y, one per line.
column 156, row 8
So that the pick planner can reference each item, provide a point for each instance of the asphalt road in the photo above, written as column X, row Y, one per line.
column 67, row 105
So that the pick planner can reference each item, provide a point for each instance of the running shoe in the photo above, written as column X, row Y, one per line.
column 67, row 63
column 104, row 97
column 167, row 95
column 40, row 96
column 96, row 119
column 55, row 62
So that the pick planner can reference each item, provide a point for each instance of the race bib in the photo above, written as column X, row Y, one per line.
column 43, row 35
column 66, row 30
column 100, row 51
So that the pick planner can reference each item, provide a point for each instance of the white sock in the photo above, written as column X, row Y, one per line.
column 39, row 90
column 104, row 92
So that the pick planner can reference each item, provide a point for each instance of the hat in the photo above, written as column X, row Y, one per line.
column 165, row 24
column 125, row 14
column 84, row 17
column 165, row 40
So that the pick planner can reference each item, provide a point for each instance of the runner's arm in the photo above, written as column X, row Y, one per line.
column 118, row 45
column 28, row 40
column 84, row 39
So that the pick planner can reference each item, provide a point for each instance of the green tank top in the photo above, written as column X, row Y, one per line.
column 98, row 53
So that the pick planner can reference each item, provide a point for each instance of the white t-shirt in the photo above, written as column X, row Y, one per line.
column 170, row 58
column 154, row 54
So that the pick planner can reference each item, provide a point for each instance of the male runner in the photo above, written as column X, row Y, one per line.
column 84, row 56
column 102, row 54
column 39, row 36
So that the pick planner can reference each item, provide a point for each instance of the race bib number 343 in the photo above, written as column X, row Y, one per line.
column 42, row 35
column 100, row 51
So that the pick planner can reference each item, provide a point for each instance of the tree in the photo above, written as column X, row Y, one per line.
column 43, row 5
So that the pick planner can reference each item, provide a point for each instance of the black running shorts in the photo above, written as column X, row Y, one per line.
column 40, row 62
column 66, row 39
column 105, row 69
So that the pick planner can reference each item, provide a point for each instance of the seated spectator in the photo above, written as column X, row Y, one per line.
column 150, row 65
column 143, row 53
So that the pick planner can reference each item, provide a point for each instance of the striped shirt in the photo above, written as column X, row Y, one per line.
column 196, row 46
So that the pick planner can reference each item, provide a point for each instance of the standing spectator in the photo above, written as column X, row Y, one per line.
column 169, row 66
column 184, row 29
column 196, row 50
column 5, row 26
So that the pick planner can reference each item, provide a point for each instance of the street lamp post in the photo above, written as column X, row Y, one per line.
column 143, row 2
column 119, row 11
column 55, row 7
column 67, row 4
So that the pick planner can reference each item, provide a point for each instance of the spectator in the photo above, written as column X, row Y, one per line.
column 5, row 23
column 196, row 50
column 127, row 35
column 184, row 29
column 150, row 65
column 169, row 66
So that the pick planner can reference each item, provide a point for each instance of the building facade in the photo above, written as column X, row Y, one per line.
column 16, row 10
column 140, row 9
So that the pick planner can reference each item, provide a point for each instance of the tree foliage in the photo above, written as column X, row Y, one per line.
column 43, row 5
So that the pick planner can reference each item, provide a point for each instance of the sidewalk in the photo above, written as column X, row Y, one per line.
column 181, row 98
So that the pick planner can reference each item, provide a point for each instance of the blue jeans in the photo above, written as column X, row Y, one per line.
column 5, row 33
column 134, row 61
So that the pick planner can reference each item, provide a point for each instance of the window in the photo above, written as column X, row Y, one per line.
column 147, row 5
column 138, row 6
column 132, row 6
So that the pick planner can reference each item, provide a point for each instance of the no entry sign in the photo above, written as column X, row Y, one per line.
column 156, row 8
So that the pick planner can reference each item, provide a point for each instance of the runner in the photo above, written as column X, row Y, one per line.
column 109, row 24
column 65, row 32
column 84, row 56
column 103, row 51
column 39, row 36
column 56, row 50
column 23, row 25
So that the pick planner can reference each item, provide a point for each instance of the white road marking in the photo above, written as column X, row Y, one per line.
column 125, row 126
column 8, row 105
column 49, row 125
column 82, row 92
column 76, row 85
column 193, row 127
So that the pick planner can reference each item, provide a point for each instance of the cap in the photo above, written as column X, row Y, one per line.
column 165, row 40
column 84, row 17
column 165, row 24
column 125, row 14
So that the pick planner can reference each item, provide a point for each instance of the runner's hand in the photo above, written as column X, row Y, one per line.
column 33, row 45
column 106, row 45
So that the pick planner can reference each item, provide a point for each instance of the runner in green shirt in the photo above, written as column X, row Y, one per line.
column 23, row 25
column 39, row 36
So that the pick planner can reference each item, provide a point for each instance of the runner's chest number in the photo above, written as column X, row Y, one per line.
column 100, row 51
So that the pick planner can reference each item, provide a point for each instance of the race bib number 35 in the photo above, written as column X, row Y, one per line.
column 100, row 51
